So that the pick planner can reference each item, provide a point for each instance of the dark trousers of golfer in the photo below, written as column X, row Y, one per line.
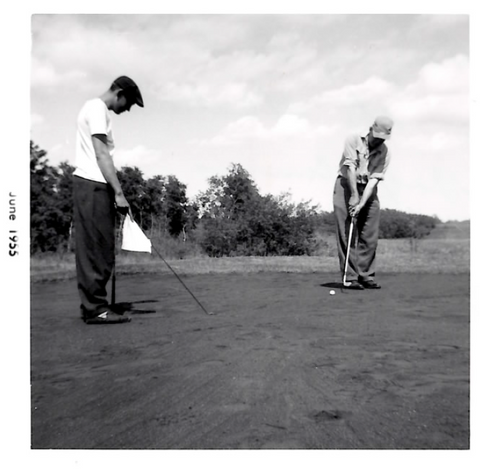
column 94, row 222
column 361, row 264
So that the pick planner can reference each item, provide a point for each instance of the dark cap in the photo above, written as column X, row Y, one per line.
column 130, row 89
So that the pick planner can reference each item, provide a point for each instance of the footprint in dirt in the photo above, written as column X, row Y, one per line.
column 330, row 415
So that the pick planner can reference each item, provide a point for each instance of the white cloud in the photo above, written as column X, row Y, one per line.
column 449, row 76
column 139, row 156
column 36, row 119
column 439, row 95
column 249, row 128
column 371, row 91
column 208, row 31
column 236, row 95
column 432, row 109
column 291, row 125
column 43, row 74
column 240, row 77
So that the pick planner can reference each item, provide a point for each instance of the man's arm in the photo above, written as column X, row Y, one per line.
column 367, row 193
column 107, row 168
column 350, row 158
column 352, row 183
column 377, row 175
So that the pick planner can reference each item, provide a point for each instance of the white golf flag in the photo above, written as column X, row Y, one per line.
column 133, row 238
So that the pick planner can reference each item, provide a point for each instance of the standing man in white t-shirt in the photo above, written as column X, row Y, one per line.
column 97, row 195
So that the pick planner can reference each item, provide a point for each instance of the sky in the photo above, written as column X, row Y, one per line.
column 276, row 93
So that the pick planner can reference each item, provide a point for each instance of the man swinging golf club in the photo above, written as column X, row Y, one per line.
column 364, row 161
column 97, row 195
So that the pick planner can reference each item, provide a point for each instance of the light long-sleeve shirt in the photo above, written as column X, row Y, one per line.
column 368, row 164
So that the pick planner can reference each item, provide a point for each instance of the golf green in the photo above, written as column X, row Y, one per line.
column 282, row 365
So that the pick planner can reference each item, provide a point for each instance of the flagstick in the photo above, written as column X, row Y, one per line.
column 113, row 285
column 114, row 279
column 169, row 266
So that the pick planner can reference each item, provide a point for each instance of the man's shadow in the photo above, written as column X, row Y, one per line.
column 123, row 307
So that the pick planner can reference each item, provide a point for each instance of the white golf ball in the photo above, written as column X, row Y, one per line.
column 332, row 292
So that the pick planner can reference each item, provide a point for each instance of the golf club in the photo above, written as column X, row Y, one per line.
column 350, row 233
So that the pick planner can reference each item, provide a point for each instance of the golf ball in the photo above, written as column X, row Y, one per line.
column 332, row 292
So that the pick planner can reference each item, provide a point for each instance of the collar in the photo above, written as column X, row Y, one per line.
column 364, row 145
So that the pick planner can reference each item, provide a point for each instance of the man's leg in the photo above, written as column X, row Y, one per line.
column 94, row 215
column 341, row 195
column 368, row 229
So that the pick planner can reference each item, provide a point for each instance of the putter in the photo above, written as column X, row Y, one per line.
column 350, row 233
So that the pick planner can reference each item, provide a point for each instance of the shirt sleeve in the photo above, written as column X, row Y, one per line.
column 350, row 152
column 97, row 118
column 379, row 171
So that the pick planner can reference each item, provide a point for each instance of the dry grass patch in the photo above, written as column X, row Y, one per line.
column 428, row 256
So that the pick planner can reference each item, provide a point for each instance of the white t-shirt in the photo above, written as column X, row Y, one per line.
column 94, row 118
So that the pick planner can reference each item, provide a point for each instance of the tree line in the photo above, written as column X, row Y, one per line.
column 229, row 218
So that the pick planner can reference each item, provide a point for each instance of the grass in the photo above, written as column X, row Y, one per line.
column 451, row 256
column 397, row 256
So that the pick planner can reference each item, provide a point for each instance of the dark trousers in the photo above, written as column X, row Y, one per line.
column 94, row 222
column 361, row 264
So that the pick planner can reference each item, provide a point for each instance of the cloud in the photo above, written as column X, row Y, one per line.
column 291, row 125
column 249, row 128
column 139, row 156
column 69, row 50
column 442, row 21
column 44, row 74
column 208, row 31
column 200, row 73
column 373, row 90
column 36, row 119
column 233, row 94
column 439, row 95
column 180, row 59
column 448, row 76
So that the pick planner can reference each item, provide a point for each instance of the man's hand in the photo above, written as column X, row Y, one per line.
column 122, row 205
column 353, row 202
column 354, row 211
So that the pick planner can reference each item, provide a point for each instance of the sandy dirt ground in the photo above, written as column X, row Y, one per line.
column 281, row 365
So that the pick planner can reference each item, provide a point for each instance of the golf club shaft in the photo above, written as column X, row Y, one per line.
column 350, row 233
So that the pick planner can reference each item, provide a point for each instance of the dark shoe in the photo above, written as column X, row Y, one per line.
column 370, row 284
column 353, row 285
column 108, row 317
